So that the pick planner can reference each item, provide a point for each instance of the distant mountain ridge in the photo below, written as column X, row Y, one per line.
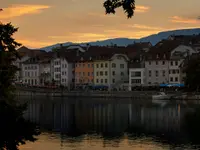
column 154, row 38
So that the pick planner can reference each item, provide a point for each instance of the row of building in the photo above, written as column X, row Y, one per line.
column 139, row 64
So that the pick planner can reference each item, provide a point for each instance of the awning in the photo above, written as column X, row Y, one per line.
column 172, row 85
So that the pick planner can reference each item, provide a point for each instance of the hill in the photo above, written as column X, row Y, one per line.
column 155, row 38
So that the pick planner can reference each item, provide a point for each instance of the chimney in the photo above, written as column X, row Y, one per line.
column 88, row 46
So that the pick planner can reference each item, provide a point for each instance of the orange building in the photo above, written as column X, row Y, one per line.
column 84, row 72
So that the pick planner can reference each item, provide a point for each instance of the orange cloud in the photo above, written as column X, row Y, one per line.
column 141, row 9
column 19, row 10
column 34, row 44
column 177, row 19
column 140, row 26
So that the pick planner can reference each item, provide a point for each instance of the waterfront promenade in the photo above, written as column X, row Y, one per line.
column 31, row 91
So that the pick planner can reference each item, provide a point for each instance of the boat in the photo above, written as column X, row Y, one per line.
column 161, row 96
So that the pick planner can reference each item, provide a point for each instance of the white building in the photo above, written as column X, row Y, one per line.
column 36, row 70
column 111, row 71
column 162, row 63
column 30, row 69
column 62, row 71
column 136, row 76
column 178, row 55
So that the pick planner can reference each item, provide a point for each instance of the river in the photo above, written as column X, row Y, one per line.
column 84, row 124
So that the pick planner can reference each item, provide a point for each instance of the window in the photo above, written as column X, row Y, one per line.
column 106, row 80
column 97, row 65
column 101, row 65
column 113, row 73
column 113, row 80
column 122, row 73
column 97, row 80
column 97, row 73
column 106, row 65
column 149, row 63
column 136, row 74
column 136, row 81
column 121, row 66
column 88, row 73
column 156, row 62
column 101, row 80
column 106, row 73
column 163, row 73
column 92, row 73
column 156, row 72
column 174, row 71
column 92, row 65
column 113, row 65
column 83, row 73
column 177, row 71
column 171, row 79
column 171, row 63
column 101, row 73
column 163, row 62
column 176, row 63
column 79, row 73
column 149, row 73
column 176, row 79
column 88, row 65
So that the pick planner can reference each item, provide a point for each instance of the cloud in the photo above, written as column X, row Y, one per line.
column 178, row 19
column 74, row 37
column 141, row 9
column 33, row 43
column 144, row 27
column 20, row 10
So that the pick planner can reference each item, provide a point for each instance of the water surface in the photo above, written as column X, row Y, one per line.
column 84, row 124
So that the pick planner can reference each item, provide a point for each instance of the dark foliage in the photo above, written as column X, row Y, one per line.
column 14, row 129
column 192, row 124
column 127, row 5
column 192, row 70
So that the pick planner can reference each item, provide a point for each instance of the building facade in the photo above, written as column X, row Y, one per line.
column 162, row 63
column 84, row 73
column 136, row 77
column 30, row 69
column 62, row 71
column 111, row 71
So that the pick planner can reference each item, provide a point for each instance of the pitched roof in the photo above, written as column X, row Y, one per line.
column 103, row 52
column 39, row 58
column 162, row 49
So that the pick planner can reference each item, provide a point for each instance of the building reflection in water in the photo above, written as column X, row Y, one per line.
column 105, row 117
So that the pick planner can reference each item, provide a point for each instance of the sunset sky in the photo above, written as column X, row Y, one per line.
column 46, row 22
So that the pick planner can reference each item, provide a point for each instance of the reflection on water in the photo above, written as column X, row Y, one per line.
column 104, row 124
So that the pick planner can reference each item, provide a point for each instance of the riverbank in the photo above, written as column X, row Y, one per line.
column 103, row 94
column 92, row 94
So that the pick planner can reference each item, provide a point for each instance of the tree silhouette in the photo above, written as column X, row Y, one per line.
column 192, row 70
column 127, row 5
column 14, row 129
